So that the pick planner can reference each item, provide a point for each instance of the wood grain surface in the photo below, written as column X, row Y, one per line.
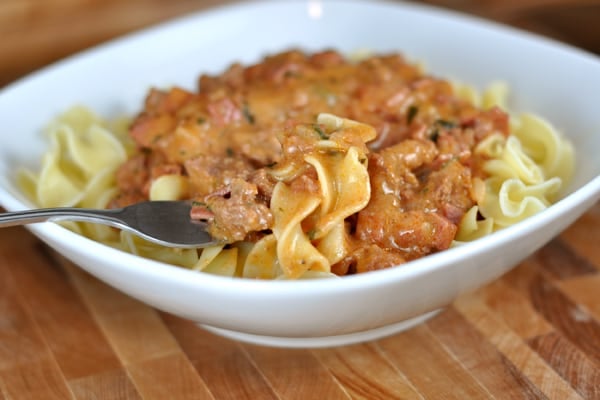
column 532, row 334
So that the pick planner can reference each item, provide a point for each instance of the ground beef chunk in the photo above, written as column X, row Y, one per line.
column 367, row 258
column 235, row 211
column 414, row 210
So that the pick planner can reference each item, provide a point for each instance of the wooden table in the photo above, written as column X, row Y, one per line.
column 534, row 333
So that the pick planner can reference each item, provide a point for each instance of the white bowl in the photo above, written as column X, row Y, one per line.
column 556, row 81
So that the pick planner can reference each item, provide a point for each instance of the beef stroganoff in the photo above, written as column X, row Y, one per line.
column 311, row 165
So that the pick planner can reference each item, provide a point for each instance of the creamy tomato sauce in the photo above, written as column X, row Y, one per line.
column 228, row 135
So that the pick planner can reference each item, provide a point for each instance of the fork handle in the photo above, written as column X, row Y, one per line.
column 107, row 217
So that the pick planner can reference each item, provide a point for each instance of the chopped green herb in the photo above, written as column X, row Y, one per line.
column 291, row 74
column 320, row 132
column 197, row 203
column 440, row 124
column 312, row 234
column 157, row 138
column 200, row 120
column 247, row 114
column 413, row 110
column 445, row 123
column 229, row 152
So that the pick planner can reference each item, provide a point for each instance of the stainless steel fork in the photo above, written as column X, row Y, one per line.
column 167, row 223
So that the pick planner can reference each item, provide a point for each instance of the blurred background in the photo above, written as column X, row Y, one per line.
column 34, row 33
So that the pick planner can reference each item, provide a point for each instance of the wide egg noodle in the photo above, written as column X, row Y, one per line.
column 92, row 149
column 324, row 165
column 333, row 123
column 516, row 188
column 57, row 185
column 295, row 252
column 467, row 93
column 495, row 95
column 80, row 150
column 344, row 181
column 223, row 261
column 244, row 248
column 100, row 190
column 100, row 232
column 136, row 245
column 208, row 256
column 525, row 171
column 78, row 118
column 28, row 182
column 510, row 201
column 81, row 173
column 224, row 264
column 514, row 163
column 169, row 187
column 335, row 244
column 491, row 146
column 310, row 275
column 472, row 228
column 262, row 261
column 545, row 146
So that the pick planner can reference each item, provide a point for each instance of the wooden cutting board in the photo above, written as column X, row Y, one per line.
column 534, row 333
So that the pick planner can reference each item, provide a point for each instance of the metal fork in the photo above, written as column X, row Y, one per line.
column 167, row 223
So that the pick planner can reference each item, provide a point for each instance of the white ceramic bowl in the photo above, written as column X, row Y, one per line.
column 553, row 80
